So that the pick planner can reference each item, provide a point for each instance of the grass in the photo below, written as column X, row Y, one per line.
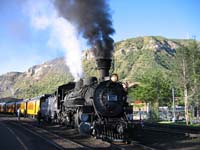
column 180, row 123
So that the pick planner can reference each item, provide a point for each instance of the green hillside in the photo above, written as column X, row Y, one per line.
column 137, row 56
column 133, row 58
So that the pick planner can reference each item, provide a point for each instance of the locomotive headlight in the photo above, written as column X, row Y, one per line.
column 114, row 78
column 83, row 117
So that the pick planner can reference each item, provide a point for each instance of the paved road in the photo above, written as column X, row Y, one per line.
column 14, row 136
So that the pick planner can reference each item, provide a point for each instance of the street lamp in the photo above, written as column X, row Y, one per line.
column 174, row 115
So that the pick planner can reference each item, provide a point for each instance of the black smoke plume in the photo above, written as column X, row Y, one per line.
column 93, row 21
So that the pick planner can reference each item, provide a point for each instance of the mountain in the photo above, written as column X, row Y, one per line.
column 137, row 56
column 132, row 58
column 38, row 80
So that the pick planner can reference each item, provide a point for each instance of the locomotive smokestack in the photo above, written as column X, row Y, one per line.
column 103, row 65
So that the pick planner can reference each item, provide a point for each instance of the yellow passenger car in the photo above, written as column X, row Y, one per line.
column 33, row 105
column 22, row 106
column 11, row 107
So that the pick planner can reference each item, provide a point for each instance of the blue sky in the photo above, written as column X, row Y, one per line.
column 22, row 45
column 169, row 18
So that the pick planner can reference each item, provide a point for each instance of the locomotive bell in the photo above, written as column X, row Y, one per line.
column 103, row 65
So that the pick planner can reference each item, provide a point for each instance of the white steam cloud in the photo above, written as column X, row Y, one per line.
column 63, row 35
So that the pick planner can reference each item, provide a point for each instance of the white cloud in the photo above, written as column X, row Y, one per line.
column 41, row 13
column 63, row 35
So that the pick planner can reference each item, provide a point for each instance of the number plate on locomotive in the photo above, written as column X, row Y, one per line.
column 112, row 98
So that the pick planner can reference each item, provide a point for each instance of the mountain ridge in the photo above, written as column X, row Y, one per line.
column 132, row 58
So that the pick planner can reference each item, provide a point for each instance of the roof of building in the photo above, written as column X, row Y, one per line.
column 9, row 99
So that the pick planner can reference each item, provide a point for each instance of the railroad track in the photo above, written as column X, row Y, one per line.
column 112, row 145
column 176, row 127
column 190, row 132
column 133, row 146
column 62, row 142
column 151, row 138
column 57, row 141
column 161, row 137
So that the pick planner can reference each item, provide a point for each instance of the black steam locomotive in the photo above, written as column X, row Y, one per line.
column 97, row 108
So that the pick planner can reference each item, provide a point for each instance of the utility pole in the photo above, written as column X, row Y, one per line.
column 174, row 115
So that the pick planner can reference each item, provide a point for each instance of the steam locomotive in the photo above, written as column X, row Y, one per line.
column 97, row 108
